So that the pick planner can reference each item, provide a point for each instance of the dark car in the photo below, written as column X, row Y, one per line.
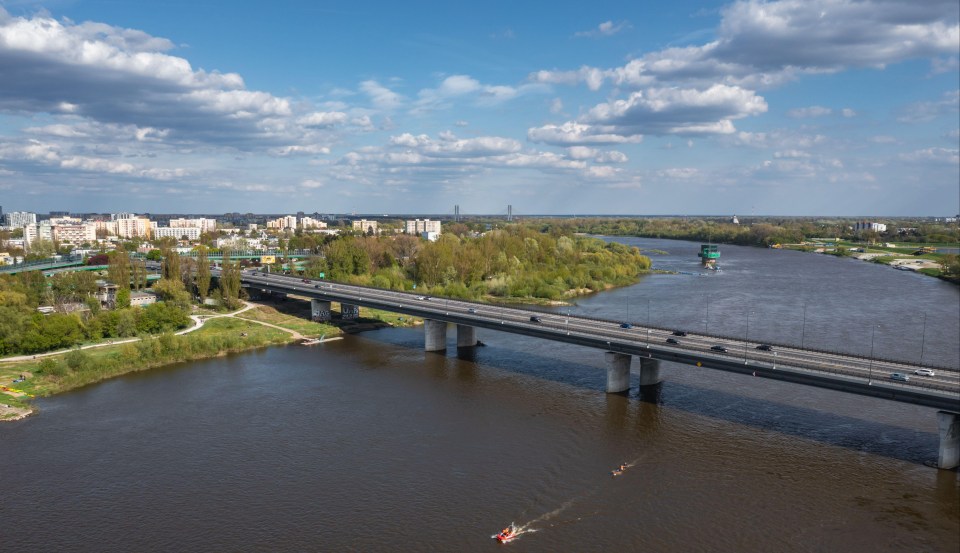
column 679, row 333
column 317, row 286
column 626, row 325
column 672, row 341
column 721, row 349
column 765, row 347
column 535, row 319
column 306, row 280
column 471, row 310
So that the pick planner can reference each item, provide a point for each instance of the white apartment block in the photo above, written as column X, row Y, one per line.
column 75, row 234
column 115, row 216
column 192, row 233
column 867, row 225
column 418, row 226
column 365, row 226
column 20, row 219
column 39, row 231
column 205, row 225
column 290, row 221
column 134, row 227
column 311, row 223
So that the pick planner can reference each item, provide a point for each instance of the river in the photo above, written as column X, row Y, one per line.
column 371, row 444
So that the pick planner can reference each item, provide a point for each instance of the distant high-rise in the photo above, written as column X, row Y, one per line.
column 509, row 213
column 456, row 213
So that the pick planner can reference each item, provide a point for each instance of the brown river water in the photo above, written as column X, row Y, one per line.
column 371, row 444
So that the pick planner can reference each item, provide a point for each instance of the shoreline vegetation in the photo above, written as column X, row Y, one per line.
column 262, row 325
column 65, row 350
column 906, row 245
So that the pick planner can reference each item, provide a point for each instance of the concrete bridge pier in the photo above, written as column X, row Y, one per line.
column 949, row 425
column 618, row 372
column 319, row 310
column 349, row 311
column 649, row 372
column 466, row 336
column 434, row 335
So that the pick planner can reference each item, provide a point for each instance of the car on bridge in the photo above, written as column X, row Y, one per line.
column 471, row 310
column 626, row 325
column 535, row 319
column 765, row 347
column 924, row 372
column 679, row 333
column 721, row 349
column 672, row 341
column 899, row 376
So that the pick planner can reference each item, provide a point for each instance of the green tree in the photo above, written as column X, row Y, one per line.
column 118, row 270
column 203, row 273
column 230, row 282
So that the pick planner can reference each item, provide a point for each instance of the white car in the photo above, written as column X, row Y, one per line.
column 924, row 372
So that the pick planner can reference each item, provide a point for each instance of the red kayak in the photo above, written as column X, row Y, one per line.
column 505, row 538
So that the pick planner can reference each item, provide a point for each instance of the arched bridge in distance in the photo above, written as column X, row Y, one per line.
column 621, row 342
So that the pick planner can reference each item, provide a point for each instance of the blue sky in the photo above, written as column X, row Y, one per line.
column 791, row 107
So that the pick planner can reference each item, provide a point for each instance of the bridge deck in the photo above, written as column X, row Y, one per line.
column 784, row 362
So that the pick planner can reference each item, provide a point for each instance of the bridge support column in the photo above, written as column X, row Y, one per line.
column 649, row 372
column 466, row 336
column 434, row 335
column 319, row 310
column 949, row 455
column 618, row 372
column 349, row 312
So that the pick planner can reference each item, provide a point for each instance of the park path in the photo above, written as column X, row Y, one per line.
column 199, row 321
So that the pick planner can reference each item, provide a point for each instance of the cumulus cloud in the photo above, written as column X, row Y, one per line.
column 52, row 155
column 465, row 87
column 656, row 111
column 607, row 28
column 571, row 133
column 127, row 78
column 380, row 96
column 763, row 44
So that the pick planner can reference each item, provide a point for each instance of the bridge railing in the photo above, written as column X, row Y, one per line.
column 665, row 329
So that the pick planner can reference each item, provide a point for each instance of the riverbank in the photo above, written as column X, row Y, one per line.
column 212, row 335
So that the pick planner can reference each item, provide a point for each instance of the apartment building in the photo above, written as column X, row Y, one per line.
column 366, row 226
column 418, row 226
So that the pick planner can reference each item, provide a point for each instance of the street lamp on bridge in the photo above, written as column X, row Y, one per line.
column 873, row 333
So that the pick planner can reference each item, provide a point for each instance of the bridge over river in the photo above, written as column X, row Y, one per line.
column 621, row 342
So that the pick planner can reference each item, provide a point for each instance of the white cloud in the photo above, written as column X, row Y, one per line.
column 812, row 111
column 380, row 96
column 556, row 105
column 928, row 111
column 662, row 112
column 607, row 28
column 323, row 119
column 847, row 112
column 571, row 133
column 935, row 155
column 763, row 44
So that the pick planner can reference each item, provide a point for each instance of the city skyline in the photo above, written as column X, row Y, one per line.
column 796, row 108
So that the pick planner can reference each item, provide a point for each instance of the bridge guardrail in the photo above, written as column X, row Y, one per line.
column 654, row 327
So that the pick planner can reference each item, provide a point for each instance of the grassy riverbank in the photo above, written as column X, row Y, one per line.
column 265, row 325
column 77, row 368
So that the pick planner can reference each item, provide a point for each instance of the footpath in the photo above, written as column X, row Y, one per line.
column 11, row 413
